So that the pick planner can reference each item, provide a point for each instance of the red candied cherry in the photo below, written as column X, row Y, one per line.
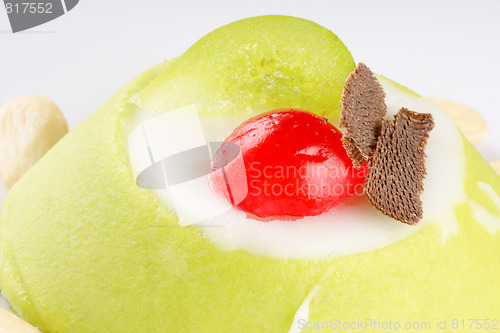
column 294, row 165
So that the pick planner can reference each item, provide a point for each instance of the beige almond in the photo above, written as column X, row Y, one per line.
column 471, row 123
column 29, row 126
column 496, row 166
column 12, row 324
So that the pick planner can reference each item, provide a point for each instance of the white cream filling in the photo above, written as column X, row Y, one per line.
column 302, row 313
column 445, row 163
column 351, row 227
column 481, row 214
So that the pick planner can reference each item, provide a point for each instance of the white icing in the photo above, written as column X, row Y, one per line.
column 302, row 313
column 351, row 227
column 481, row 214
column 445, row 163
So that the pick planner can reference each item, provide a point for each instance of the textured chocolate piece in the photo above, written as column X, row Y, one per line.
column 397, row 168
column 362, row 109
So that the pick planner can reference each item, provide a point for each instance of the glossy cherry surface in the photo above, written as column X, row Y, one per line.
column 294, row 165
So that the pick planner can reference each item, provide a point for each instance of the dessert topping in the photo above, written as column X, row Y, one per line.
column 362, row 111
column 295, row 165
column 395, row 148
column 396, row 172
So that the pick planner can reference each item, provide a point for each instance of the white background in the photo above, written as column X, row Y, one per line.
column 448, row 49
